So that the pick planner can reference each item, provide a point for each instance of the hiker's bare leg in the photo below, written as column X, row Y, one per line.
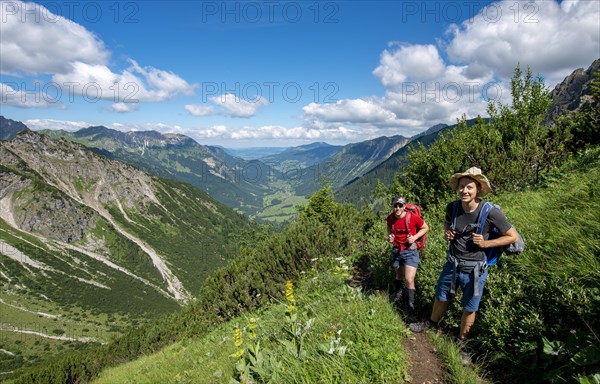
column 439, row 308
column 409, row 276
column 466, row 321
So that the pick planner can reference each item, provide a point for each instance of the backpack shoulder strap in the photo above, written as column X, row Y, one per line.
column 455, row 205
column 483, row 214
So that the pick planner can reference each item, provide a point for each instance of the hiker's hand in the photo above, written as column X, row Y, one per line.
column 478, row 240
column 449, row 235
column 391, row 237
column 410, row 239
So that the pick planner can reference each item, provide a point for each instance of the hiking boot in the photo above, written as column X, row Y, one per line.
column 409, row 304
column 399, row 298
column 421, row 326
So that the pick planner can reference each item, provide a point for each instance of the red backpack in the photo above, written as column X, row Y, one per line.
column 413, row 209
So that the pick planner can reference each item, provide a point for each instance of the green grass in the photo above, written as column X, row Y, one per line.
column 366, row 325
column 457, row 372
column 19, row 313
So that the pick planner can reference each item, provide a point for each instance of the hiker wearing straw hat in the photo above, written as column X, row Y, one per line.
column 466, row 266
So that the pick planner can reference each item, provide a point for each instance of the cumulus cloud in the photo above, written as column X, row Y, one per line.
column 124, row 107
column 409, row 62
column 353, row 111
column 17, row 97
column 233, row 106
column 39, row 124
column 421, row 91
column 133, row 85
column 552, row 38
column 199, row 110
column 423, row 88
column 34, row 41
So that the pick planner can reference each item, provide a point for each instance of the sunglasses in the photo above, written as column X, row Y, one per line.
column 398, row 205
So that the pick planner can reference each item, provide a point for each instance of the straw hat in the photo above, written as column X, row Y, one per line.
column 475, row 174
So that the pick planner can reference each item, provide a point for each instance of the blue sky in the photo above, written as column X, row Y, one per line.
column 279, row 73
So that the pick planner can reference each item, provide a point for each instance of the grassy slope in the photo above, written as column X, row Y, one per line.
column 367, row 325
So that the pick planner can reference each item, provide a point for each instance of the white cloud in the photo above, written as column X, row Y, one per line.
column 423, row 89
column 264, row 134
column 124, row 107
column 199, row 110
column 133, row 85
column 234, row 106
column 21, row 98
column 553, row 39
column 34, row 41
column 409, row 62
column 353, row 111
column 416, row 98
column 39, row 124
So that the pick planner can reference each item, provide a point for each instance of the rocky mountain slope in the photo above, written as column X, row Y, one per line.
column 573, row 92
column 231, row 180
column 350, row 162
column 79, row 231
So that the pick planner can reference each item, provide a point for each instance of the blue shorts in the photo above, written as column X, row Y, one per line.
column 408, row 257
column 466, row 281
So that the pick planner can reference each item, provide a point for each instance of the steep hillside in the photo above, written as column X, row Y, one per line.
column 350, row 162
column 94, row 244
column 231, row 180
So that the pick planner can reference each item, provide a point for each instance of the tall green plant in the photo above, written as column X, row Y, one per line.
column 522, row 151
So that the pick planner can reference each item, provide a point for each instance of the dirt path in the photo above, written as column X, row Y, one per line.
column 425, row 366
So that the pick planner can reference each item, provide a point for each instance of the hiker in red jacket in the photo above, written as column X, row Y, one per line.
column 405, row 227
column 466, row 266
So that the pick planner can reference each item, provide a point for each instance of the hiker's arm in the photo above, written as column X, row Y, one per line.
column 508, row 237
column 390, row 234
column 423, row 230
column 448, row 233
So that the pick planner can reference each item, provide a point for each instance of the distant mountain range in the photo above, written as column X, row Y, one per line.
column 249, row 181
column 359, row 190
column 241, row 184
column 253, row 153
column 302, row 156
column 350, row 162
